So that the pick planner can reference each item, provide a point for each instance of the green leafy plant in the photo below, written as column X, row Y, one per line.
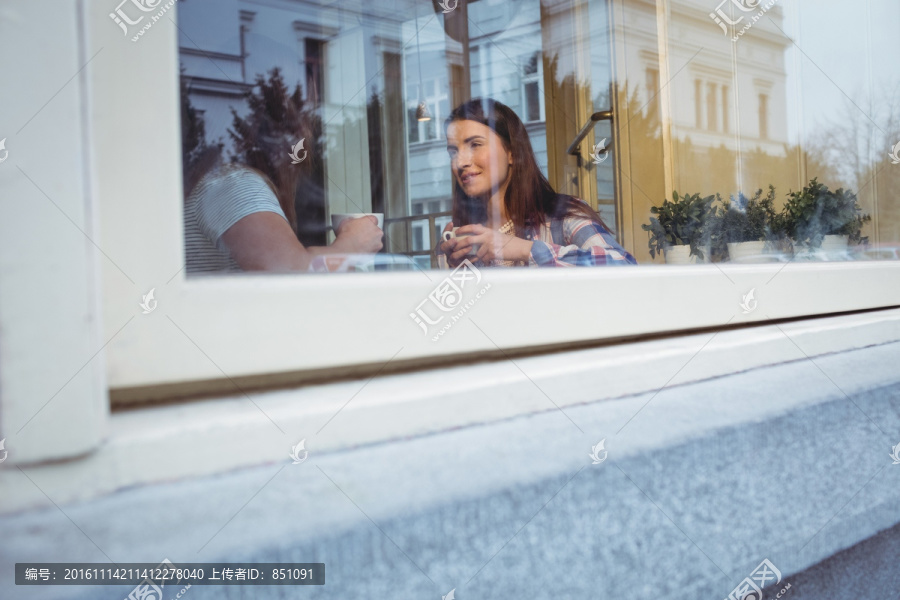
column 740, row 219
column 815, row 211
column 681, row 221
column 748, row 219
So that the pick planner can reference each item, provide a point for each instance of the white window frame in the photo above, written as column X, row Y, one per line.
column 213, row 333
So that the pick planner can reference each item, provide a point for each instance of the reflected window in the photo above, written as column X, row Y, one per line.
column 698, row 104
column 313, row 59
column 652, row 77
column 532, row 99
column 725, row 124
column 436, row 101
column 712, row 101
column 763, row 116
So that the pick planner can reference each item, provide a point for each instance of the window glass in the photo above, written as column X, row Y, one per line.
column 297, row 121
column 789, row 135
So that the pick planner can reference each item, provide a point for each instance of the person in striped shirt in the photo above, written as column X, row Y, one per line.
column 507, row 212
column 236, row 219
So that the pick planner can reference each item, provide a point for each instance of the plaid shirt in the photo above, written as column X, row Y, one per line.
column 585, row 243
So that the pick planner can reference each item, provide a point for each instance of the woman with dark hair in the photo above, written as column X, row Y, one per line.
column 506, row 208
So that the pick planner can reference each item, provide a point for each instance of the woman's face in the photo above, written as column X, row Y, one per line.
column 480, row 162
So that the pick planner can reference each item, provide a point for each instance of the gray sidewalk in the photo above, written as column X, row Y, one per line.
column 516, row 509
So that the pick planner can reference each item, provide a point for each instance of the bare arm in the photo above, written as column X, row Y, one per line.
column 263, row 241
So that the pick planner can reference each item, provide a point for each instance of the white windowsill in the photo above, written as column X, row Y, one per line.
column 156, row 444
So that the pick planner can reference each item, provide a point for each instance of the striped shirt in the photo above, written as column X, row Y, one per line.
column 222, row 197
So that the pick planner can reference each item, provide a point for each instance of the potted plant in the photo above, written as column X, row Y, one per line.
column 743, row 225
column 821, row 222
column 678, row 228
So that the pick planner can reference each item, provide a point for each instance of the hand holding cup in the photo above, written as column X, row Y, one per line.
column 358, row 232
column 451, row 240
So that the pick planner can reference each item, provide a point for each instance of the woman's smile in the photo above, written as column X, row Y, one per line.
column 465, row 179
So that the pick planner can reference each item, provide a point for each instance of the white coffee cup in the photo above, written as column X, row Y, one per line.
column 338, row 218
column 451, row 233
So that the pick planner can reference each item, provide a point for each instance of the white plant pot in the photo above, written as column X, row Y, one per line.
column 803, row 253
column 834, row 247
column 679, row 255
column 748, row 252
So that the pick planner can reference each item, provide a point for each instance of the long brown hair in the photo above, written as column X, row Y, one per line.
column 280, row 177
column 530, row 200
column 260, row 141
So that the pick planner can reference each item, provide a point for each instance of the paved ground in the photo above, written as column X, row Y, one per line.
column 516, row 509
column 867, row 570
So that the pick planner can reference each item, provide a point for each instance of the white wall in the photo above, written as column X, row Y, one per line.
column 53, row 400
